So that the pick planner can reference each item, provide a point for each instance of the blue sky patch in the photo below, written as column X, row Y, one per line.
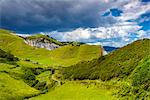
column 114, row 12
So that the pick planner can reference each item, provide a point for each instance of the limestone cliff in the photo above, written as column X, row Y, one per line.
column 41, row 43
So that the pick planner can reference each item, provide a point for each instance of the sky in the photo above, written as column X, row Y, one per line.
column 102, row 22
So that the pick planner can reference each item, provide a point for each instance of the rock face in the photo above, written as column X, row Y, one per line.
column 42, row 43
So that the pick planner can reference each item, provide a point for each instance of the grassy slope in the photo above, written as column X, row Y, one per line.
column 137, row 85
column 141, row 75
column 128, row 67
column 76, row 91
column 140, row 78
column 119, row 63
column 63, row 56
column 22, row 70
column 11, row 88
column 73, row 54
column 13, row 75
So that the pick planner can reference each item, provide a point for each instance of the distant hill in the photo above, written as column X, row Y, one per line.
column 65, row 56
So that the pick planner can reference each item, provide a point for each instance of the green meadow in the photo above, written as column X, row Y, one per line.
column 77, row 91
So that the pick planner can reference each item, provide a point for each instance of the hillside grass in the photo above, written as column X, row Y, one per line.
column 70, row 55
column 44, row 76
column 12, row 89
column 76, row 91
column 64, row 56
column 6, row 67
column 118, row 64
column 129, row 66
column 34, row 77
column 140, row 79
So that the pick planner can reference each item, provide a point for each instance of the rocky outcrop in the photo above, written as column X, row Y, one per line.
column 41, row 43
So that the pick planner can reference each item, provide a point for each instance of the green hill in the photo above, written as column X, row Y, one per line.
column 13, row 89
column 127, row 67
column 64, row 56
column 118, row 64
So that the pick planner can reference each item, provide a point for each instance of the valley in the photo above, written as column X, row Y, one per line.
column 48, row 69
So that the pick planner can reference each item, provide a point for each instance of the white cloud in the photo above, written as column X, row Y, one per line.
column 143, row 34
column 23, row 35
column 133, row 10
column 106, row 1
column 117, row 34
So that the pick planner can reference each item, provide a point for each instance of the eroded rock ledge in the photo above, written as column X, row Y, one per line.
column 41, row 43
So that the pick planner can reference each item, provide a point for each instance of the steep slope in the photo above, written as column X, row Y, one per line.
column 13, row 89
column 128, row 68
column 140, row 78
column 141, row 75
column 7, row 57
column 137, row 85
column 118, row 64
column 12, row 85
column 59, row 57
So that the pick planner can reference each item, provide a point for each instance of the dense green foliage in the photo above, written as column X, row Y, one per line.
column 141, row 74
column 7, row 57
column 118, row 64
column 138, row 83
column 140, row 78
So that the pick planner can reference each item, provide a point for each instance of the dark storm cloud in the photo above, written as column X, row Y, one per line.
column 49, row 15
